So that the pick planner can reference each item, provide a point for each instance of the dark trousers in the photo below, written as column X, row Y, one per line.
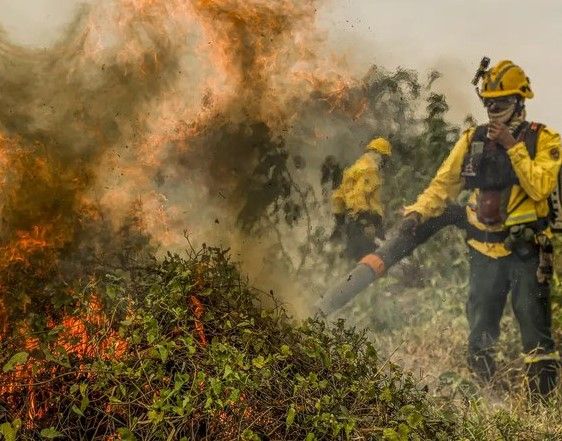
column 359, row 241
column 490, row 282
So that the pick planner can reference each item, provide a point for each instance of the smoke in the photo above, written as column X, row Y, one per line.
column 150, row 118
column 66, row 112
column 148, row 115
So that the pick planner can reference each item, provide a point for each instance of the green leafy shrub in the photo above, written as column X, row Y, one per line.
column 255, row 375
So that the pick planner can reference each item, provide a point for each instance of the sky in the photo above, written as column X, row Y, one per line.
column 452, row 36
column 448, row 35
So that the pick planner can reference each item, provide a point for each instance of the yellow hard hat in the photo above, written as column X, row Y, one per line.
column 504, row 79
column 380, row 145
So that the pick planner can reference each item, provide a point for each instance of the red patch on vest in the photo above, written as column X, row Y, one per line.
column 555, row 153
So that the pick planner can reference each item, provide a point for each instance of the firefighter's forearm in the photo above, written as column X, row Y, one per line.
column 446, row 184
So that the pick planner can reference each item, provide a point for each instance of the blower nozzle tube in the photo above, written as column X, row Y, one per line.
column 373, row 266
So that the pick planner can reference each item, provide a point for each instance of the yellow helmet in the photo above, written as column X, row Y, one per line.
column 380, row 145
column 504, row 79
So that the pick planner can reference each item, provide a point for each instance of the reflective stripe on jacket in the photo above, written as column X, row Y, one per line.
column 537, row 179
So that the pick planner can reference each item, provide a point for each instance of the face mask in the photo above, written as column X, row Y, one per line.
column 500, row 109
column 384, row 161
column 502, row 116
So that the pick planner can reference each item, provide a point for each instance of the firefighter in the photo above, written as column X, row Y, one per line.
column 356, row 203
column 509, row 167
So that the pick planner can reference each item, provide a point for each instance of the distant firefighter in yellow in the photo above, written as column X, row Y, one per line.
column 356, row 203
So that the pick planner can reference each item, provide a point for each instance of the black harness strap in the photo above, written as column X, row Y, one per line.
column 531, row 137
column 499, row 236
column 527, row 132
column 485, row 236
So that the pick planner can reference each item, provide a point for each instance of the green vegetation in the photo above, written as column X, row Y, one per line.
column 258, row 377
column 254, row 375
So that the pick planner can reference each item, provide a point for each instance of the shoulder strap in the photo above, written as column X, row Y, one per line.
column 480, row 133
column 531, row 137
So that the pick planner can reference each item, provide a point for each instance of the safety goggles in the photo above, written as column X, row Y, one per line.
column 500, row 103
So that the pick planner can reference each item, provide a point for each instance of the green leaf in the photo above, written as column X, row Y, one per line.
column 17, row 359
column 163, row 351
column 259, row 362
column 286, row 350
column 404, row 431
column 234, row 396
column 227, row 371
column 216, row 386
column 310, row 437
column 290, row 416
column 155, row 417
column 208, row 403
column 414, row 420
column 50, row 433
column 249, row 435
column 77, row 410
column 386, row 395
column 84, row 403
column 349, row 426
column 126, row 435
column 390, row 435
column 10, row 430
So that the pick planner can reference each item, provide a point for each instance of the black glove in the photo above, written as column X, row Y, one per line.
column 365, row 218
column 371, row 222
column 410, row 223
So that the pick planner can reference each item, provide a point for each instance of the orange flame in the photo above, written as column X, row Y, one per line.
column 198, row 311
column 78, row 340
column 27, row 243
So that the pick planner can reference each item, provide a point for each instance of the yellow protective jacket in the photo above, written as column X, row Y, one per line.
column 360, row 187
column 537, row 179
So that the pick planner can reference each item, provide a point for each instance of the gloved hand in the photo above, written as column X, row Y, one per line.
column 371, row 224
column 500, row 133
column 410, row 223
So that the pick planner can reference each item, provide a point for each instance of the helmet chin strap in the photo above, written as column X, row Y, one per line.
column 519, row 109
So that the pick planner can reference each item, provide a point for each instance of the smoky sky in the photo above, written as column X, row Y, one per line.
column 450, row 35
column 36, row 22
